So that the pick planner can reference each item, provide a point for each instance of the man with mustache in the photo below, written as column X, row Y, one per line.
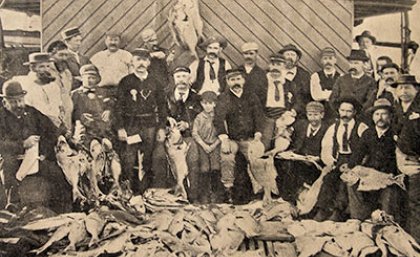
column 297, row 74
column 43, row 90
column 23, row 127
column 140, row 116
column 255, row 76
column 356, row 83
column 366, row 42
column 113, row 63
column 323, row 81
column 407, row 114
column 381, row 61
column 376, row 150
column 340, row 141
column 238, row 117
column 59, row 54
column 389, row 75
column 72, row 37
column 184, row 106
column 207, row 73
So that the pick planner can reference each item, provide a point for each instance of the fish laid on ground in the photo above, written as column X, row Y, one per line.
column 400, row 240
column 54, row 222
column 370, row 179
column 109, row 247
column 76, row 235
column 309, row 196
column 261, row 170
column 94, row 226
column 59, row 234
column 309, row 245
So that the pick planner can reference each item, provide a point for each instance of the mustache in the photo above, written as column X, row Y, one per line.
column 236, row 86
column 352, row 70
column 113, row 45
column 248, row 59
column 328, row 64
column 390, row 80
column 45, row 77
column 344, row 117
column 275, row 70
column 211, row 54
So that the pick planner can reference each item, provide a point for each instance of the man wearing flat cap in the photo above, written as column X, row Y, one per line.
column 296, row 73
column 72, row 37
column 43, row 91
column 390, row 73
column 376, row 150
column 255, row 76
column 238, row 118
column 113, row 63
column 356, row 83
column 208, row 73
column 25, row 133
column 366, row 42
column 407, row 113
column 340, row 141
column 322, row 81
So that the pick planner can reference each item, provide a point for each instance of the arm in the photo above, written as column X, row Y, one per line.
column 193, row 68
column 327, row 147
column 161, row 104
column 316, row 90
column 227, row 65
column 220, row 114
column 356, row 157
column 370, row 95
column 258, row 114
column 335, row 94
column 195, row 135
column 120, row 105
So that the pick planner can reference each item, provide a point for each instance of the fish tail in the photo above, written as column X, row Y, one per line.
column 399, row 181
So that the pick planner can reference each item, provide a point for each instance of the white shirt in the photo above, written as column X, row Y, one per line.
column 178, row 95
column 248, row 68
column 142, row 77
column 112, row 66
column 380, row 132
column 327, row 144
column 317, row 93
column 45, row 98
column 208, row 84
column 237, row 94
column 271, row 89
column 309, row 130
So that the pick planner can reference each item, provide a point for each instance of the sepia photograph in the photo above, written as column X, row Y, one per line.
column 209, row 128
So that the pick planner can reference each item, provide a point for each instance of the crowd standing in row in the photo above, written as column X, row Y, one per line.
column 342, row 119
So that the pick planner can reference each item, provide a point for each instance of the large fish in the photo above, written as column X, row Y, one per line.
column 399, row 242
column 97, row 166
column 261, row 170
column 113, row 163
column 76, row 235
column 309, row 195
column 73, row 164
column 283, row 132
column 370, row 179
column 177, row 149
column 59, row 234
column 94, row 226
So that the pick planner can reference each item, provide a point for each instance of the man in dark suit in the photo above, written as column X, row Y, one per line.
column 297, row 74
column 72, row 37
column 255, row 76
column 390, row 73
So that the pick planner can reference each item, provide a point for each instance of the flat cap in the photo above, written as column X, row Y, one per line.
column 70, row 32
column 249, row 46
column 315, row 106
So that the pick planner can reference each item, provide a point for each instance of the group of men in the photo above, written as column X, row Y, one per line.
column 341, row 119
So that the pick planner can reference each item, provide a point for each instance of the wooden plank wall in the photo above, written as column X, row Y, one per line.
column 310, row 24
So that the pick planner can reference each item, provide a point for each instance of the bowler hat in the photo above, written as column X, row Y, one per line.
column 351, row 100
column 381, row 103
column 358, row 55
column 12, row 89
column 142, row 52
column 406, row 79
column 367, row 34
column 291, row 47
column 70, row 32
column 214, row 39
column 38, row 58
column 390, row 65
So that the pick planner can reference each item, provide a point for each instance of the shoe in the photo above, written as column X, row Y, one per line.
column 322, row 215
column 335, row 216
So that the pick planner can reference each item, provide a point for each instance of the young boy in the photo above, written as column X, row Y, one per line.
column 204, row 134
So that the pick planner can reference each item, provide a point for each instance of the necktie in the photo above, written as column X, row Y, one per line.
column 212, row 72
column 181, row 96
column 345, row 137
column 277, row 91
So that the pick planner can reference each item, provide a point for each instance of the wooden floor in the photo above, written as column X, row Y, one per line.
column 311, row 25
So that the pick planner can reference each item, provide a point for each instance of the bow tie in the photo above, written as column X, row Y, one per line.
column 89, row 90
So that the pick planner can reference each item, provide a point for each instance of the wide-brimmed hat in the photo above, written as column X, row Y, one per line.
column 351, row 100
column 291, row 47
column 358, row 55
column 38, row 58
column 214, row 39
column 367, row 34
column 381, row 103
column 142, row 52
column 70, row 32
column 12, row 89
column 406, row 79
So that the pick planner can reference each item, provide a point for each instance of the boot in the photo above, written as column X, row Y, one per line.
column 322, row 215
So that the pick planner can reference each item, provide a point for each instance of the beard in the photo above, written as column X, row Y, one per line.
column 45, row 77
column 352, row 70
column 290, row 63
column 212, row 55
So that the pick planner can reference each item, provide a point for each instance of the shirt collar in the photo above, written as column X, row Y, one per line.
column 351, row 123
column 333, row 70
column 72, row 52
column 142, row 77
column 380, row 132
column 184, row 97
column 212, row 61
column 357, row 77
column 237, row 94
column 310, row 128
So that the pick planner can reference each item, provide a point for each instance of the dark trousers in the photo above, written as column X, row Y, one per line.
column 211, row 187
column 129, row 160
column 242, row 186
column 287, row 180
column 413, row 218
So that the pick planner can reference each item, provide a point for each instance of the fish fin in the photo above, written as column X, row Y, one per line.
column 399, row 181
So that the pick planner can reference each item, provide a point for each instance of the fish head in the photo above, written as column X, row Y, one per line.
column 107, row 145
column 95, row 149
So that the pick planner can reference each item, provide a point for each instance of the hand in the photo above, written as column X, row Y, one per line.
column 257, row 136
column 30, row 141
column 122, row 135
column 158, row 54
column 170, row 57
column 207, row 148
column 106, row 115
column 182, row 125
column 225, row 146
column 87, row 117
column 160, row 135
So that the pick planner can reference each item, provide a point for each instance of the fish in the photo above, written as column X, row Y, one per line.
column 58, row 235
column 110, row 246
column 113, row 163
column 94, row 226
column 54, row 222
column 309, row 245
column 73, row 164
column 283, row 132
column 76, row 235
column 291, row 156
column 177, row 149
column 370, row 179
column 97, row 166
column 400, row 240
column 308, row 197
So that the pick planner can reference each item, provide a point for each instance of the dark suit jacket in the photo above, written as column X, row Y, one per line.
column 74, row 68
